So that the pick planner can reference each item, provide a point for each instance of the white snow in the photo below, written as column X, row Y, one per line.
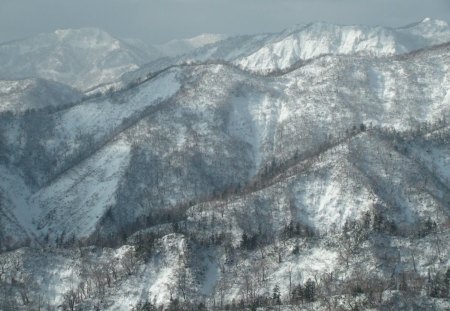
column 317, row 39
column 99, row 118
column 155, row 281
column 74, row 203
column 183, row 46
column 255, row 119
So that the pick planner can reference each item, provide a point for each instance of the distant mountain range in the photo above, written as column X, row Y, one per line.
column 86, row 57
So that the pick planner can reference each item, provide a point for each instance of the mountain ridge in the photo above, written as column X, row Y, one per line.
column 290, row 75
column 80, row 58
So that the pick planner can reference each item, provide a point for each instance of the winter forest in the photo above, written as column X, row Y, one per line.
column 307, row 169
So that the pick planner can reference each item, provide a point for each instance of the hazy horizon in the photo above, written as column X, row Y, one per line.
column 159, row 21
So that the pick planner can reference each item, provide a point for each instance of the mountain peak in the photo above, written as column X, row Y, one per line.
column 182, row 46
column 77, row 35
column 84, row 30
column 427, row 22
column 433, row 23
column 205, row 38
column 80, row 58
column 429, row 28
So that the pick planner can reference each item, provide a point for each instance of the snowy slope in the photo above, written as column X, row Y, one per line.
column 21, row 95
column 79, row 198
column 16, row 221
column 321, row 193
column 75, row 202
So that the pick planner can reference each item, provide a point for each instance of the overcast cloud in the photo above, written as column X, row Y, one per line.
column 157, row 21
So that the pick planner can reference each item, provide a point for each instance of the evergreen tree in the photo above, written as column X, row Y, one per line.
column 310, row 291
column 276, row 295
column 297, row 294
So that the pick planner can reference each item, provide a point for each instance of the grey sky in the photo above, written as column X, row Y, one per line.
column 157, row 21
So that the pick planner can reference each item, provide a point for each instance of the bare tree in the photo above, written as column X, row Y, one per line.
column 70, row 299
column 129, row 262
column 2, row 269
column 278, row 250
column 222, row 287
column 182, row 277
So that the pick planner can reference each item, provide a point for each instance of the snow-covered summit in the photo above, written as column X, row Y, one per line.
column 80, row 58
column 322, row 38
column 182, row 46
column 427, row 22
column 88, row 57
column 278, row 51
column 433, row 30
column 83, row 37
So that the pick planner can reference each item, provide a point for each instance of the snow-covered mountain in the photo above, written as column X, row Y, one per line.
column 86, row 58
column 264, row 164
column 313, row 40
column 269, row 118
column 178, row 47
column 19, row 96
column 265, row 53
column 81, row 58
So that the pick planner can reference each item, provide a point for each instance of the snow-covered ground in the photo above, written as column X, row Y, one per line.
column 73, row 204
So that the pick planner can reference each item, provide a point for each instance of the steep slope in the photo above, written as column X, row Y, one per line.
column 81, row 58
column 297, row 214
column 16, row 222
column 59, row 143
column 73, row 204
column 321, row 197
